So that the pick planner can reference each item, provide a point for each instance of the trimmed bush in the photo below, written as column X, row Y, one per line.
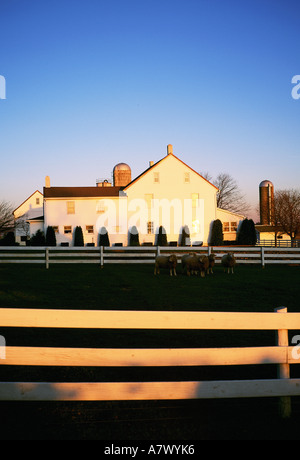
column 185, row 234
column 103, row 237
column 50, row 237
column 217, row 237
column 78, row 237
column 162, row 239
column 247, row 233
column 8, row 240
column 38, row 239
column 134, row 237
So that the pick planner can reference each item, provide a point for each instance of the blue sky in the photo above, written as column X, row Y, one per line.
column 93, row 83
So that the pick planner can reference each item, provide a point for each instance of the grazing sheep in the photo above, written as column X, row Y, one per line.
column 228, row 261
column 204, row 265
column 196, row 263
column 169, row 262
column 212, row 260
column 184, row 259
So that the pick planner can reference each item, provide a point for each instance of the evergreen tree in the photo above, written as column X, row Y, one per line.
column 8, row 240
column 247, row 233
column 162, row 239
column 50, row 237
column 78, row 237
column 185, row 234
column 38, row 239
column 134, row 237
column 103, row 237
column 217, row 237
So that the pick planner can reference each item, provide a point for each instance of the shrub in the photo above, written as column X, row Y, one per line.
column 247, row 233
column 78, row 237
column 185, row 234
column 38, row 239
column 8, row 240
column 162, row 239
column 217, row 237
column 50, row 237
column 134, row 237
column 103, row 237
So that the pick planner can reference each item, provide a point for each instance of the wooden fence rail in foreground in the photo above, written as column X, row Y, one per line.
column 283, row 355
column 142, row 254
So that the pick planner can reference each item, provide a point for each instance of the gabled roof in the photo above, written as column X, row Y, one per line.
column 37, row 191
column 81, row 192
column 160, row 161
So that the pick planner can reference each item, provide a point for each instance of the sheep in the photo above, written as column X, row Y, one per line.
column 228, row 261
column 195, row 263
column 184, row 259
column 204, row 265
column 169, row 262
column 212, row 259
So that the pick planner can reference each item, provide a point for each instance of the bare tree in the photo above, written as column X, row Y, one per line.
column 287, row 212
column 6, row 217
column 229, row 196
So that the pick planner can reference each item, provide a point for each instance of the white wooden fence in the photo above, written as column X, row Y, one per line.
column 142, row 255
column 283, row 355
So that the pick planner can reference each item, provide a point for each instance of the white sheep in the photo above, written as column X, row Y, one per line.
column 169, row 262
column 184, row 258
column 197, row 263
column 228, row 261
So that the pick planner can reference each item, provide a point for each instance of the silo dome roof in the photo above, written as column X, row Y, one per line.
column 266, row 183
column 122, row 167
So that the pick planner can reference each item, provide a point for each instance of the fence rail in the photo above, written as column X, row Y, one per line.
column 142, row 255
column 282, row 354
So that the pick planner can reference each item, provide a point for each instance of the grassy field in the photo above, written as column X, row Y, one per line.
column 134, row 287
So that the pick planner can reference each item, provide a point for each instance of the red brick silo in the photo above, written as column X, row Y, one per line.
column 266, row 199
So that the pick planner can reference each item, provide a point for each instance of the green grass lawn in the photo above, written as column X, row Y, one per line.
column 134, row 287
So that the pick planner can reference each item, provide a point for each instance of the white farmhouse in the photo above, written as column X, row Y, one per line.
column 29, row 217
column 168, row 193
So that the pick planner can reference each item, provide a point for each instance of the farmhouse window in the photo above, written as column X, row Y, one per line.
column 226, row 227
column 233, row 226
column 67, row 229
column 187, row 178
column 70, row 207
column 100, row 208
column 156, row 178
column 150, row 228
column 89, row 229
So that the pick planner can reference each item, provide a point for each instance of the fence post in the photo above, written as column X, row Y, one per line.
column 158, row 251
column 263, row 257
column 47, row 258
column 285, row 407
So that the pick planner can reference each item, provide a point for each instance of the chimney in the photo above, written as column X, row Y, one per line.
column 47, row 182
column 170, row 149
column 151, row 163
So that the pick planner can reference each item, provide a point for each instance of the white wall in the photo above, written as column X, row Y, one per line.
column 172, row 192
